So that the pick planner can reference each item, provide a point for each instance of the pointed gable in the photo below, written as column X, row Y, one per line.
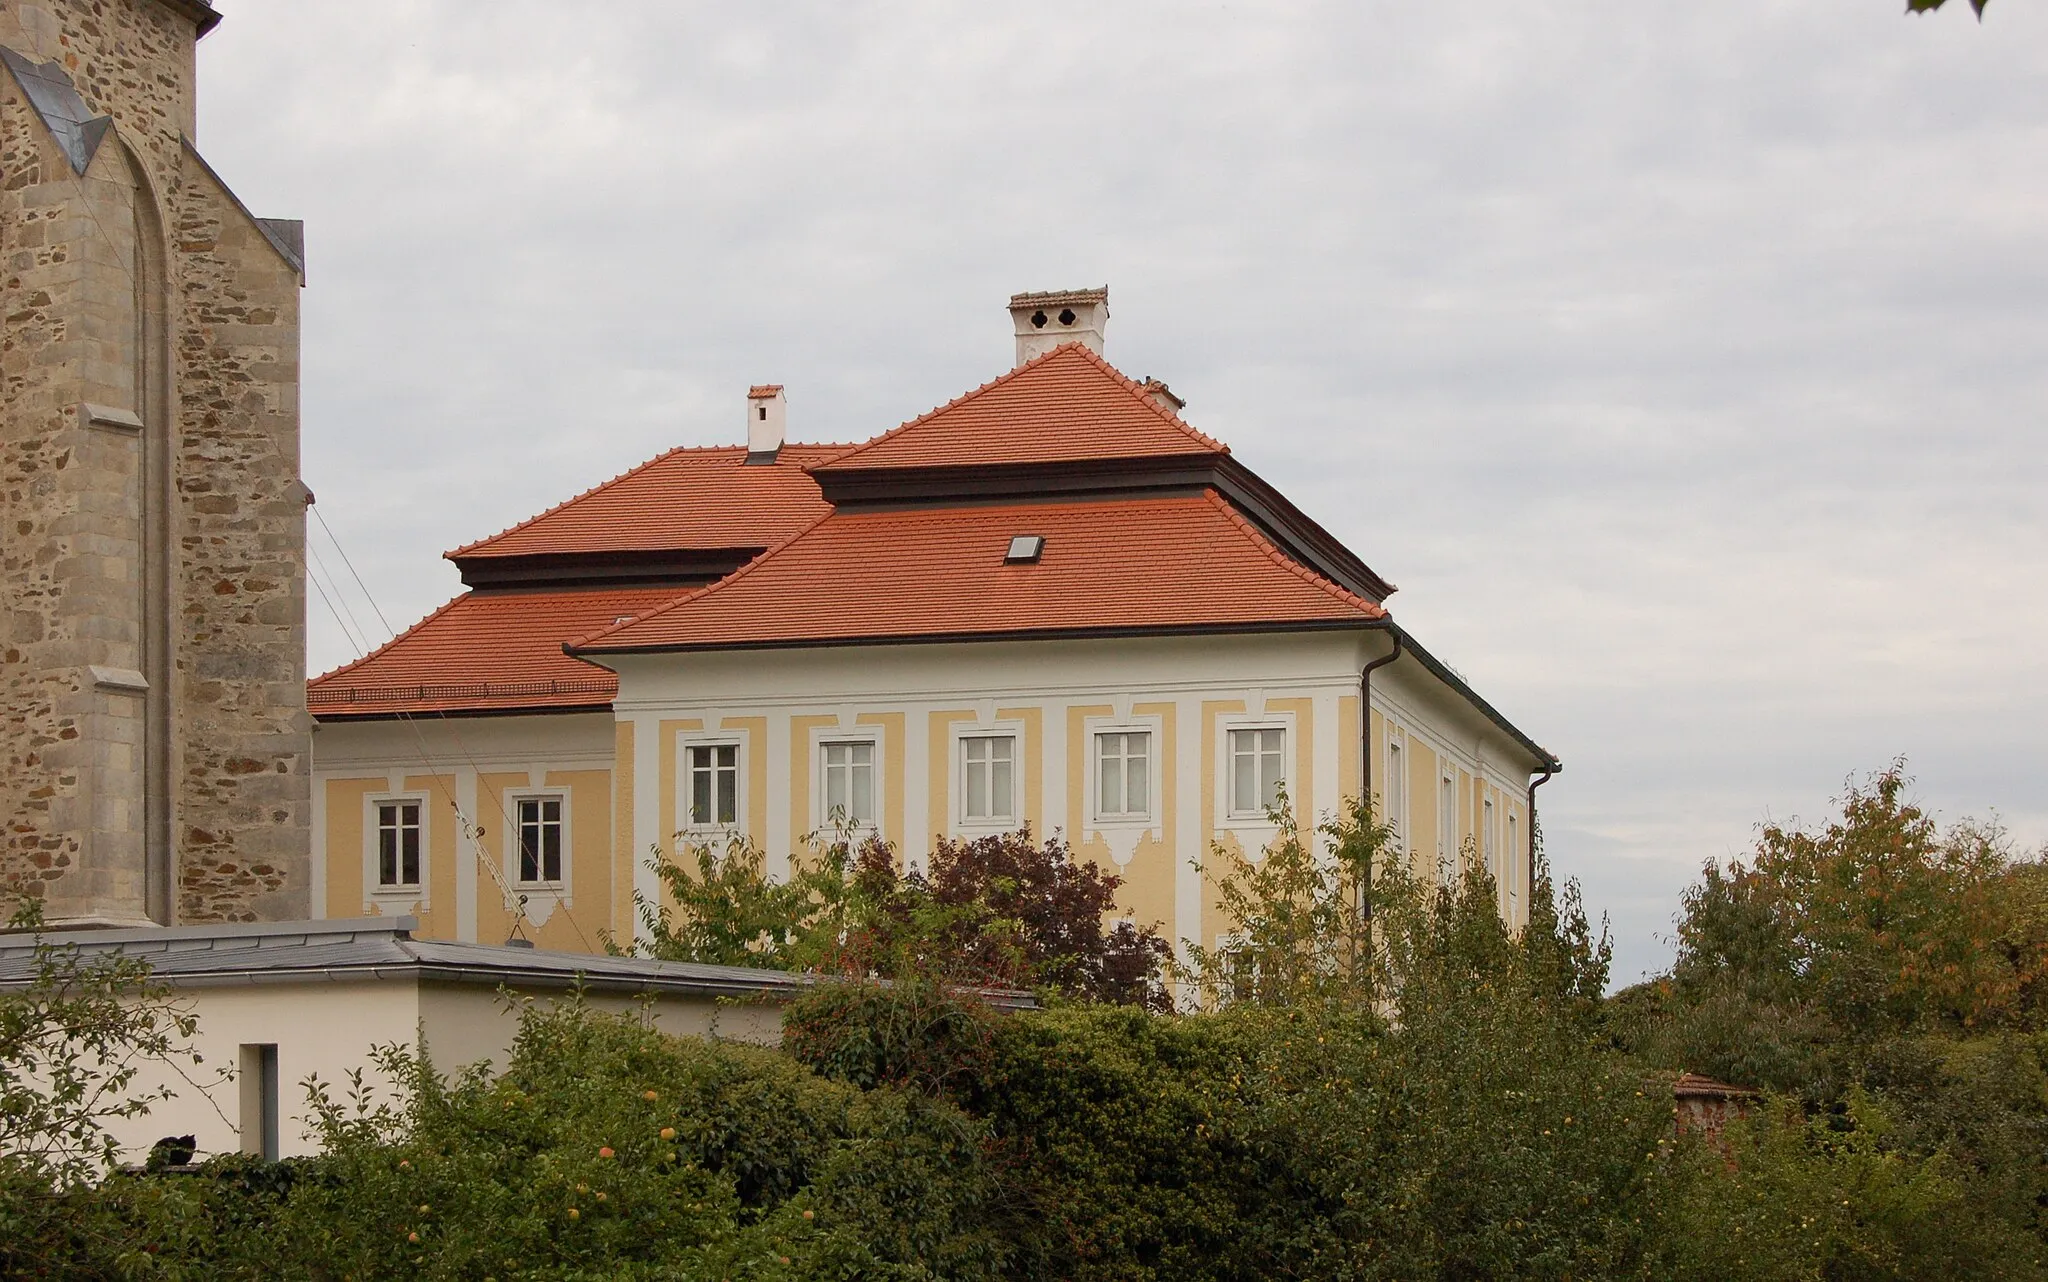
column 1068, row 405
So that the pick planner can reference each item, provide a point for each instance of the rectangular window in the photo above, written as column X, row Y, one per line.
column 850, row 782
column 1512, row 873
column 1256, row 771
column 398, row 843
column 988, row 774
column 1396, row 793
column 260, row 1096
column 1123, row 774
column 714, row 784
column 1447, row 822
column 1486, row 837
column 540, row 839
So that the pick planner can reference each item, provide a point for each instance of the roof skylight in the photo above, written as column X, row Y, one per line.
column 1025, row 549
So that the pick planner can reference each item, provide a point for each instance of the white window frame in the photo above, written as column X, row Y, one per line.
column 685, row 741
column 1255, row 825
column 373, row 891
column 513, row 798
column 1095, row 730
column 1447, row 823
column 957, row 776
column 1394, row 788
column 821, row 816
column 1491, row 849
column 1511, row 871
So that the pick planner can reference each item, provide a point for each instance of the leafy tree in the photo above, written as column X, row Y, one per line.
column 1923, row 6
column 73, row 1042
column 1001, row 910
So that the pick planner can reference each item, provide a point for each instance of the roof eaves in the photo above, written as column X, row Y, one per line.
column 1099, row 633
column 1546, row 760
column 390, row 645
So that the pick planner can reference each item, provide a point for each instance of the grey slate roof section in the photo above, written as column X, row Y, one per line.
column 288, row 237
column 361, row 949
column 77, row 128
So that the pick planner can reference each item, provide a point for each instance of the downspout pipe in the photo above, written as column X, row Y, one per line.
column 1549, row 769
column 1365, row 739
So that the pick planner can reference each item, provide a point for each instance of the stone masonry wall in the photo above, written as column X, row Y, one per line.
column 165, row 538
column 245, row 780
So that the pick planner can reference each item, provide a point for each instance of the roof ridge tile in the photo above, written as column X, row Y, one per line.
column 738, row 451
column 1208, row 443
column 697, row 594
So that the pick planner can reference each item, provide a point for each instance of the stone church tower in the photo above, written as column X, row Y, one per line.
column 154, row 742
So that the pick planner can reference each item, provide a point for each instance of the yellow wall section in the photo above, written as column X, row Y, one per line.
column 437, row 916
column 756, row 730
column 345, row 844
column 939, row 777
column 1031, row 808
column 1348, row 746
column 1077, row 783
column 1213, row 920
column 800, row 728
column 1301, row 771
column 891, row 726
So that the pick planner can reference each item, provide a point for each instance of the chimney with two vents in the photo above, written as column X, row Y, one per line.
column 1044, row 321
column 767, row 422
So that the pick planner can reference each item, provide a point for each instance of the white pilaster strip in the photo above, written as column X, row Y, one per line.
column 1327, row 789
column 1053, row 717
column 1187, row 878
column 917, row 787
column 467, row 852
column 778, row 839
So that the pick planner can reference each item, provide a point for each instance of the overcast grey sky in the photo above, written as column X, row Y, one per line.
column 1683, row 362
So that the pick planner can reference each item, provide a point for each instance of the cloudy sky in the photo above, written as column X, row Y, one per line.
column 1683, row 362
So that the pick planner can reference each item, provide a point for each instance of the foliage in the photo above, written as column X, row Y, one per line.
column 73, row 1041
column 1791, row 1196
column 1923, row 6
column 1823, row 943
column 1302, row 922
column 1001, row 910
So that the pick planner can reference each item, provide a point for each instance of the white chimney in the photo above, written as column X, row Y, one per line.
column 1044, row 321
column 767, row 422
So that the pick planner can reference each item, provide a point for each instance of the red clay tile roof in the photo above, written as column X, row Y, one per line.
column 684, row 499
column 486, row 651
column 1147, row 563
column 1066, row 405
column 761, row 390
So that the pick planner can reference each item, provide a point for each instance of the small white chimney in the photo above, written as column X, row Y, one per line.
column 1044, row 321
column 767, row 422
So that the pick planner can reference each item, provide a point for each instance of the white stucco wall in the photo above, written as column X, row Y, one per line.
column 327, row 1029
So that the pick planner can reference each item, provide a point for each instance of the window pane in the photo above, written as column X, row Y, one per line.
column 700, row 794
column 1001, row 802
column 728, row 810
column 1109, row 783
column 1244, row 784
column 387, row 849
column 551, row 845
column 862, row 806
column 835, row 781
column 728, row 756
column 1137, row 775
column 409, row 848
column 975, row 775
column 863, row 753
